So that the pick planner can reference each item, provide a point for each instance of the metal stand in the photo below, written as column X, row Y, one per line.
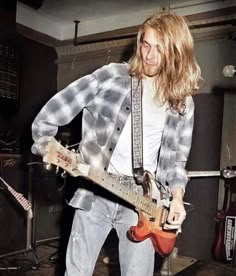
column 29, row 247
column 31, row 242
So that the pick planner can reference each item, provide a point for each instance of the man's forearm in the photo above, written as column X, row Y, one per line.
column 178, row 193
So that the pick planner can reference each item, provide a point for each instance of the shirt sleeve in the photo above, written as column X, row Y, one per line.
column 62, row 108
column 178, row 176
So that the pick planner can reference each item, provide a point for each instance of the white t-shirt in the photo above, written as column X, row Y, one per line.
column 153, row 125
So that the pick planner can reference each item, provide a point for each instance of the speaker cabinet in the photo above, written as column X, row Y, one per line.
column 13, row 218
column 47, row 191
column 198, row 231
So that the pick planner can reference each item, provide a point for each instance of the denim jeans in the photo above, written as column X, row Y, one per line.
column 89, row 232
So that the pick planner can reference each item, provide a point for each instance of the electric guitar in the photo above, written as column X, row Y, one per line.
column 152, row 215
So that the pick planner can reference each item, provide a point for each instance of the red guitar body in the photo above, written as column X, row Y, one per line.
column 152, row 227
column 163, row 241
column 224, row 247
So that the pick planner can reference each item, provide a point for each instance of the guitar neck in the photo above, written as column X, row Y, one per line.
column 115, row 187
column 72, row 163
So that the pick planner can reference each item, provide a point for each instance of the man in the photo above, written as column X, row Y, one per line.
column 165, row 67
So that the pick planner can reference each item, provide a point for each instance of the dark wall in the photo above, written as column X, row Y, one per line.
column 37, row 83
column 37, row 75
column 8, row 18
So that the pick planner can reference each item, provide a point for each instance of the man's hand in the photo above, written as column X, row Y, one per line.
column 177, row 212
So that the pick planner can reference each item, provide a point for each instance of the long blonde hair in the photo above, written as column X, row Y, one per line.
column 179, row 72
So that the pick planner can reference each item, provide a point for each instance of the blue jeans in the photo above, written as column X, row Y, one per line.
column 89, row 232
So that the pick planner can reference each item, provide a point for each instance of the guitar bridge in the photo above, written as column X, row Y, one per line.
column 152, row 219
column 164, row 215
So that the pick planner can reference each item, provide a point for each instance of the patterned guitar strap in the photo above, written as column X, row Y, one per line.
column 140, row 175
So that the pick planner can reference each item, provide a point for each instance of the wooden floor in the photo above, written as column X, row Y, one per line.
column 44, row 261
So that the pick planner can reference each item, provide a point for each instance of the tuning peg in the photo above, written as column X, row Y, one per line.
column 57, row 170
column 48, row 166
column 63, row 175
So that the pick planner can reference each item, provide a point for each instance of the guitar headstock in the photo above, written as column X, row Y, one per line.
column 62, row 157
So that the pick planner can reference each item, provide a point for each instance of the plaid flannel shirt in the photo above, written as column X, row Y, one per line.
column 104, row 97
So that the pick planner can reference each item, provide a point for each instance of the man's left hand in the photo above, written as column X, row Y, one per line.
column 177, row 213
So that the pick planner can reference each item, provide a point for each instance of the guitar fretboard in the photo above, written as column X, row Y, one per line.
column 71, row 162
column 109, row 183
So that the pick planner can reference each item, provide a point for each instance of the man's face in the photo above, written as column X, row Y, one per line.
column 150, row 52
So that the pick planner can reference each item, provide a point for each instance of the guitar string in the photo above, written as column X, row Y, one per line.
column 160, row 186
column 153, row 205
column 149, row 204
column 145, row 204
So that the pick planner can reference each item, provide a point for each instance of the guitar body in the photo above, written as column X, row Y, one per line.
column 163, row 241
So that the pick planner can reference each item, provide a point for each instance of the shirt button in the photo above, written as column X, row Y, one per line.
column 127, row 108
column 110, row 149
column 118, row 129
